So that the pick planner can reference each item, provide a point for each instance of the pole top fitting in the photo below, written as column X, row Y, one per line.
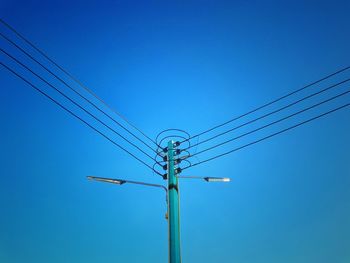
column 177, row 161
column 178, row 170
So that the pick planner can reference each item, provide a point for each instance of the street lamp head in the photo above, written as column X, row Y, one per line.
column 107, row 180
column 217, row 179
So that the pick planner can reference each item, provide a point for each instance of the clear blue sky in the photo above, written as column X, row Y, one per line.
column 188, row 65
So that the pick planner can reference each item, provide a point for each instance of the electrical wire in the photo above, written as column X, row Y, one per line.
column 271, row 135
column 182, row 160
column 274, row 122
column 155, row 171
column 77, row 81
column 179, row 158
column 270, row 113
column 161, row 153
column 172, row 129
column 76, row 116
column 171, row 136
column 75, row 103
column 187, row 161
column 270, row 103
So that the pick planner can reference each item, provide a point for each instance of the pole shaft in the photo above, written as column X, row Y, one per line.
column 173, row 209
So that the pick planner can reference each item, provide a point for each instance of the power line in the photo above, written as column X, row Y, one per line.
column 187, row 139
column 270, row 113
column 274, row 122
column 76, row 116
column 75, row 91
column 269, row 103
column 269, row 136
column 77, row 81
column 75, row 103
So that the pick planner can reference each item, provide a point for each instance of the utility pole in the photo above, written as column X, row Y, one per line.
column 172, row 193
column 173, row 208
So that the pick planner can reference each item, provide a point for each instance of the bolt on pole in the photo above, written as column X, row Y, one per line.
column 173, row 208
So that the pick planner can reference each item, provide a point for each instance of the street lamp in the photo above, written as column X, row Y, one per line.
column 208, row 179
column 217, row 179
column 106, row 180
column 122, row 181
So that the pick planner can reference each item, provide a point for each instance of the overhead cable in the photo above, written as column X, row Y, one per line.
column 75, row 103
column 274, row 122
column 81, row 85
column 76, row 116
column 270, row 113
column 270, row 136
column 269, row 103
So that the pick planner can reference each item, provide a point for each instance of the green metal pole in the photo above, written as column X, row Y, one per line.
column 173, row 208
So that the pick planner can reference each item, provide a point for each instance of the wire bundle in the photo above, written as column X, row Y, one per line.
column 335, row 86
column 155, row 150
column 86, row 109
